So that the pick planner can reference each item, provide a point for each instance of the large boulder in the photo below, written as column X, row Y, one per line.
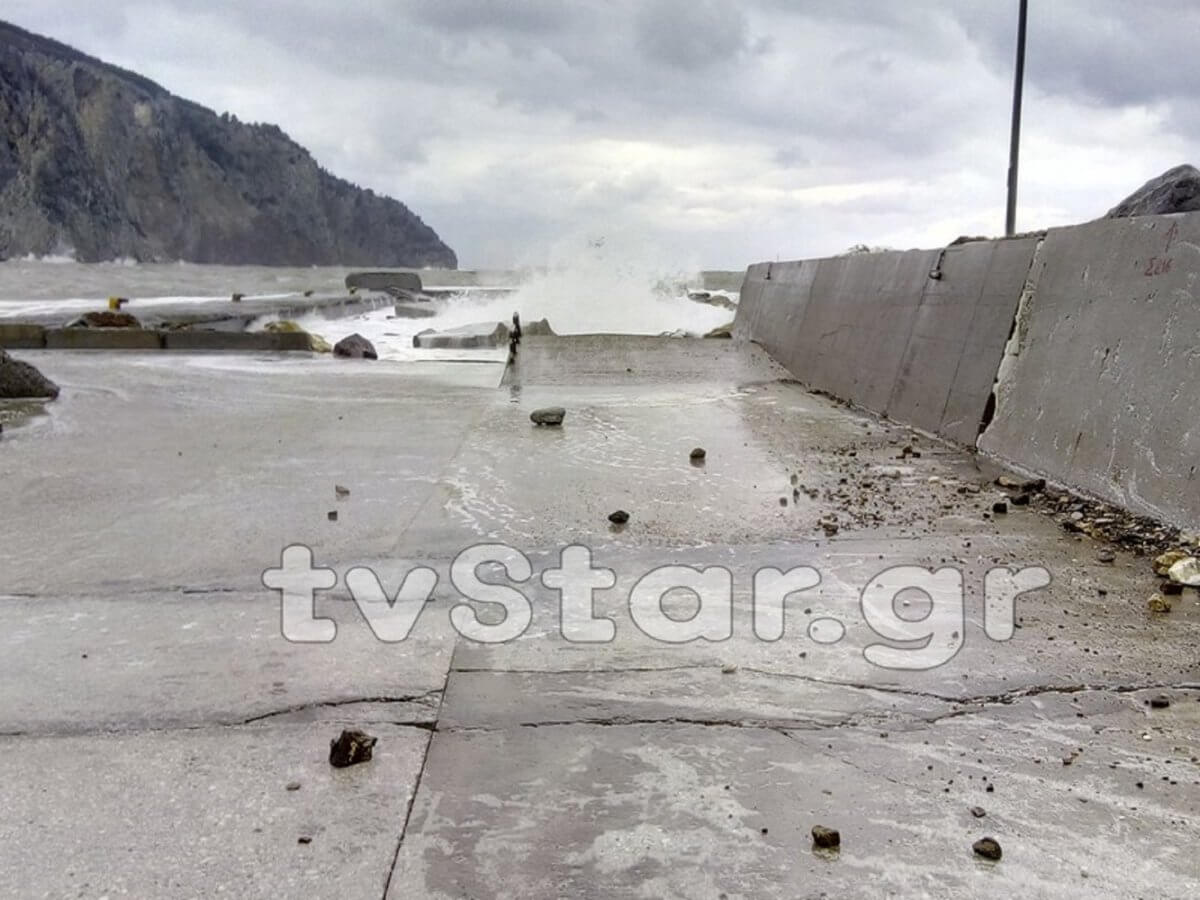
column 1176, row 190
column 19, row 379
column 466, row 337
column 105, row 319
column 355, row 346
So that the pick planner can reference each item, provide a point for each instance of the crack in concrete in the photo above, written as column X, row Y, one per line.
column 412, row 799
column 1003, row 698
column 334, row 704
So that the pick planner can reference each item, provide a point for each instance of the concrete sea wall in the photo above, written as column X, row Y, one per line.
column 1074, row 356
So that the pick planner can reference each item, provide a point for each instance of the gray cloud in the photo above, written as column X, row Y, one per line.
column 726, row 131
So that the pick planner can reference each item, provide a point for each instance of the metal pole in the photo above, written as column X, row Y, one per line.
column 1014, row 154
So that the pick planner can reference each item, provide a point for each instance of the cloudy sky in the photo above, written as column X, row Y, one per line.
column 715, row 132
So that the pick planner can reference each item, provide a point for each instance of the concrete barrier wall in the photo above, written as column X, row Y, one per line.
column 958, row 335
column 1102, row 389
column 881, row 331
column 1079, row 351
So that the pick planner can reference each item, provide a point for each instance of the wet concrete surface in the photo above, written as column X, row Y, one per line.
column 152, row 712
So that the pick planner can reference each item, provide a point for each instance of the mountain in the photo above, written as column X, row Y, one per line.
column 104, row 164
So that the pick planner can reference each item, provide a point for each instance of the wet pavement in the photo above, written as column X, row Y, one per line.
column 153, row 716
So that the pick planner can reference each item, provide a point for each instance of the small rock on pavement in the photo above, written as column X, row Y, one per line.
column 1163, row 564
column 698, row 455
column 978, row 812
column 333, row 515
column 620, row 517
column 1186, row 572
column 1000, row 507
column 351, row 748
column 729, row 668
column 826, row 838
column 1159, row 603
column 355, row 346
column 293, row 785
column 551, row 415
column 1106, row 556
column 341, row 491
column 1160, row 701
column 988, row 848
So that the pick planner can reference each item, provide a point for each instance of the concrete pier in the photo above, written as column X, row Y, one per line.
column 153, row 716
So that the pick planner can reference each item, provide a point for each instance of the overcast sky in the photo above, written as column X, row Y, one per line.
column 715, row 132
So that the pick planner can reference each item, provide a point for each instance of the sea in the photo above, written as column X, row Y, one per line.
column 591, row 293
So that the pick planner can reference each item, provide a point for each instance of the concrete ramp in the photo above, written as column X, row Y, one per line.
column 1102, row 390
column 613, row 360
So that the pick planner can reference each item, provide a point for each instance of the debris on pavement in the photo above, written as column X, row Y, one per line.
column 1158, row 603
column 351, row 748
column 699, row 454
column 988, row 848
column 550, row 416
column 826, row 838
column 620, row 517
column 1186, row 572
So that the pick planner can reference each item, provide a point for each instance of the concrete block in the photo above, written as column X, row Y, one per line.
column 958, row 336
column 103, row 339
column 19, row 336
column 384, row 281
column 1103, row 391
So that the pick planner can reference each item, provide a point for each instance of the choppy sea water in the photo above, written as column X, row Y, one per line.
column 590, row 294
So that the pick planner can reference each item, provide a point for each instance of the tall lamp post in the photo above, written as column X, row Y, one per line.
column 1014, row 153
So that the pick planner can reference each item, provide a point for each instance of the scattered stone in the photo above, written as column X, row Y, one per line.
column 333, row 515
column 237, row 298
column 355, row 346
column 1000, row 508
column 1171, row 588
column 1160, row 701
column 729, row 668
column 988, row 848
column 698, row 455
column 20, row 380
column 826, row 838
column 293, row 785
column 1186, row 572
column 105, row 319
column 783, row 501
column 351, row 748
column 1163, row 564
column 1159, row 604
column 1106, row 556
column 304, row 839
column 620, row 517
column 1020, row 500
column 341, row 491
column 978, row 812
column 551, row 415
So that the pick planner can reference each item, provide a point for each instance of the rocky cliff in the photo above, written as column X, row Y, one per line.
column 101, row 163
